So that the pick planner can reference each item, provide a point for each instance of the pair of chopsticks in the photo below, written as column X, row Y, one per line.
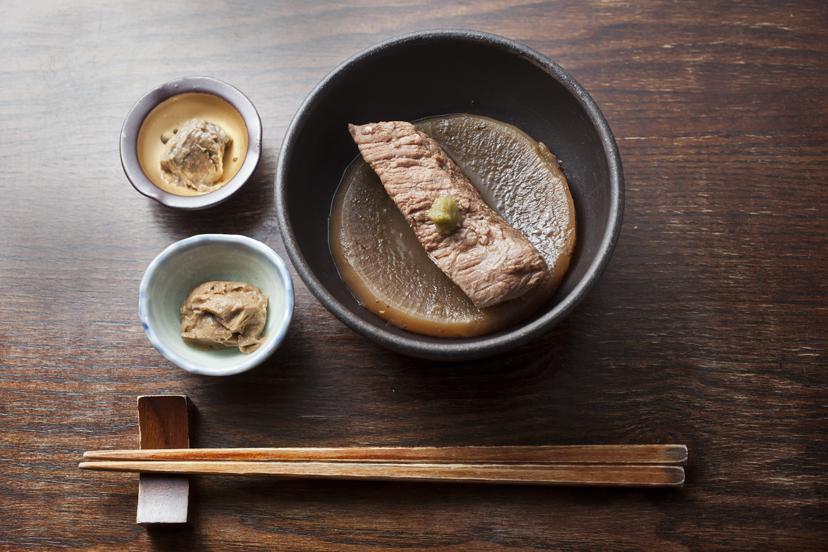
column 592, row 465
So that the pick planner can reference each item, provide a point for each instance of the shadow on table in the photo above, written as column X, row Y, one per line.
column 243, row 213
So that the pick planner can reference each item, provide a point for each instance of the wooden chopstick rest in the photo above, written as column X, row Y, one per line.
column 163, row 499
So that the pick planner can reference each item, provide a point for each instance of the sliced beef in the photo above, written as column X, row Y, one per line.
column 487, row 258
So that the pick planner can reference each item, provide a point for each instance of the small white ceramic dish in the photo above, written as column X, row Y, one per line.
column 208, row 257
column 130, row 159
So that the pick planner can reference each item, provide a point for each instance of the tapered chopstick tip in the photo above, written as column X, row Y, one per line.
column 679, row 454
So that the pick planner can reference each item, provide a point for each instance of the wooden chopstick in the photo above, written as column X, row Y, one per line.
column 596, row 465
column 608, row 475
column 568, row 454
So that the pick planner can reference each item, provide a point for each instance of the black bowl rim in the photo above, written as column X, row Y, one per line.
column 462, row 348
column 209, row 85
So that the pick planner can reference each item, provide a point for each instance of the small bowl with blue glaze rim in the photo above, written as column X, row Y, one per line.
column 189, row 263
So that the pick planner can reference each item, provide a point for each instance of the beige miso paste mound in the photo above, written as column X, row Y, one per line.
column 216, row 315
column 388, row 270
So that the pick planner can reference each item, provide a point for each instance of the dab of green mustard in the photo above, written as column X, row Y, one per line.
column 445, row 215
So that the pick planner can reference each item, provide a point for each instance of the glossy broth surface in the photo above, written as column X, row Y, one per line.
column 389, row 272
column 170, row 115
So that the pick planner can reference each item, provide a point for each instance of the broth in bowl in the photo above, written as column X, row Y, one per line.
column 390, row 273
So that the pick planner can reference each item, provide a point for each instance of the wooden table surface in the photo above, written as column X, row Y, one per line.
column 708, row 327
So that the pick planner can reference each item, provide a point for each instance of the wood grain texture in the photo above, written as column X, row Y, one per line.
column 708, row 327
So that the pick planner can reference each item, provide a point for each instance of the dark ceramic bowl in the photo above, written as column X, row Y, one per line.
column 435, row 73
column 132, row 126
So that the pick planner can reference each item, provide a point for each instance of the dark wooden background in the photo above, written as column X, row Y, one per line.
column 708, row 327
